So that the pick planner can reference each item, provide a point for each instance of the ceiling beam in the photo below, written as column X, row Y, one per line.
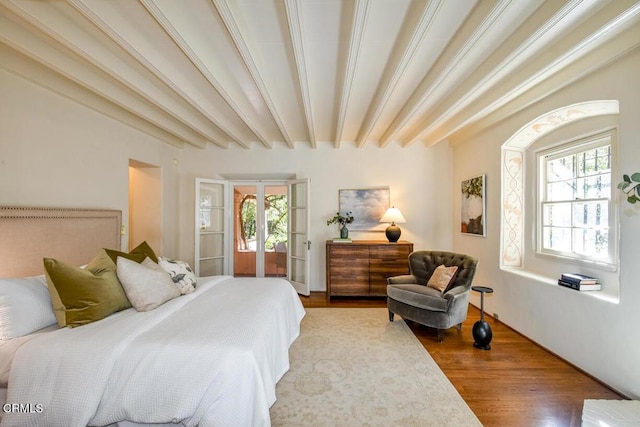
column 395, row 70
column 200, row 119
column 558, row 18
column 225, row 12
column 459, row 64
column 65, row 62
column 27, row 68
column 174, row 34
column 593, row 35
column 294, row 19
column 357, row 32
column 50, row 19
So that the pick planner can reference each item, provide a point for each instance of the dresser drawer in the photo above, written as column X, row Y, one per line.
column 384, row 268
column 390, row 251
column 348, row 251
column 381, row 269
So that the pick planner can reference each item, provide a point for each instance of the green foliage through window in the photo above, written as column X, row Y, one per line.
column 276, row 211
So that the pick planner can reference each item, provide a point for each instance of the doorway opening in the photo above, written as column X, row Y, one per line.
column 145, row 204
column 261, row 218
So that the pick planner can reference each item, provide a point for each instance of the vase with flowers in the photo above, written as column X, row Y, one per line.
column 343, row 220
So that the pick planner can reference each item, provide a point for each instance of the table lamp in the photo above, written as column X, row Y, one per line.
column 393, row 215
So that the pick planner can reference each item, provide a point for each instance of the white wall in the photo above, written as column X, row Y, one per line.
column 57, row 153
column 599, row 337
column 416, row 177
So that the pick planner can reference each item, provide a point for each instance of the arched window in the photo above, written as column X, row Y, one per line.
column 513, row 171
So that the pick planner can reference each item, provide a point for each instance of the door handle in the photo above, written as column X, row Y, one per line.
column 308, row 245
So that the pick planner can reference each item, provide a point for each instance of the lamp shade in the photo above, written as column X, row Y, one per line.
column 393, row 215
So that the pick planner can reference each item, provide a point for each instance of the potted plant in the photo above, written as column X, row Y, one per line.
column 631, row 185
column 343, row 220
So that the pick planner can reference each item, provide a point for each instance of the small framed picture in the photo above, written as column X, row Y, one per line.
column 473, row 206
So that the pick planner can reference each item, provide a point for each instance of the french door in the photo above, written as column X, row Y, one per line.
column 212, row 228
column 298, row 264
column 253, row 228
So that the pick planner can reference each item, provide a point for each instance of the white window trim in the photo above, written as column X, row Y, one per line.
column 607, row 137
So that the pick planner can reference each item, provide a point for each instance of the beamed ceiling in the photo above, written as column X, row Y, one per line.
column 291, row 73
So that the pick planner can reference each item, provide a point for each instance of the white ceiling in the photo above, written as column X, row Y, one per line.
column 286, row 73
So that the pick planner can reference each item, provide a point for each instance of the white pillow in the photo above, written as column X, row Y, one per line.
column 146, row 286
column 181, row 274
column 25, row 306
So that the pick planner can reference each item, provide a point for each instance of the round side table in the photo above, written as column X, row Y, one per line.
column 481, row 330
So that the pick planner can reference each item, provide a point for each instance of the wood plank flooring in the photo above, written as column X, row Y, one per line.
column 516, row 383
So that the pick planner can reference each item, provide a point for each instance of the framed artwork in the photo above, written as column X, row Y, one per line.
column 367, row 206
column 473, row 206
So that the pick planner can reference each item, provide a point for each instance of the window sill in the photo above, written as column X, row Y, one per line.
column 600, row 295
column 596, row 265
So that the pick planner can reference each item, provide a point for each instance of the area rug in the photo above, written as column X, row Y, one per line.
column 352, row 367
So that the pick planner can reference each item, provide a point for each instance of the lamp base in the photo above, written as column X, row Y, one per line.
column 393, row 233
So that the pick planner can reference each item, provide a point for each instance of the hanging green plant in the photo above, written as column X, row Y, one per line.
column 630, row 186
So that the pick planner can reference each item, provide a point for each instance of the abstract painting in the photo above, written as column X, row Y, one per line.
column 367, row 207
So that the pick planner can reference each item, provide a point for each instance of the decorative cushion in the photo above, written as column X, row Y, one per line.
column 25, row 306
column 137, row 254
column 146, row 285
column 442, row 276
column 181, row 274
column 80, row 296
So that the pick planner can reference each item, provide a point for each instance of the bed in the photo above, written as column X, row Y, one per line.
column 210, row 357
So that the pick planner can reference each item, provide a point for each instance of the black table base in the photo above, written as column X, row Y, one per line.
column 482, row 335
column 481, row 330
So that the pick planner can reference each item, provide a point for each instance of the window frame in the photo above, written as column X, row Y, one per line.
column 567, row 148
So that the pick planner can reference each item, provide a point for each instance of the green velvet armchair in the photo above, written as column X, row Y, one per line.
column 410, row 297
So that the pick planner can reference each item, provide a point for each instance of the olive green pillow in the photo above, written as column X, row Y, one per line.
column 80, row 296
column 137, row 254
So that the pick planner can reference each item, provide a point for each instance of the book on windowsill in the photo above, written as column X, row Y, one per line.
column 338, row 240
column 580, row 287
column 581, row 279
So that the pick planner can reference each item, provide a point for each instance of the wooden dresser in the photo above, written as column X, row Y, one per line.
column 361, row 268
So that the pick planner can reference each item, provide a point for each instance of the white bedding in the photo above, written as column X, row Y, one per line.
column 9, row 348
column 210, row 358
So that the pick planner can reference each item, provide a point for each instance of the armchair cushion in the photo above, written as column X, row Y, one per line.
column 419, row 296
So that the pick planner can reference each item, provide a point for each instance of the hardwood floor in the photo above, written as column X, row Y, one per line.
column 516, row 383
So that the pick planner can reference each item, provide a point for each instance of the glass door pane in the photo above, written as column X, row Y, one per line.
column 245, row 230
column 275, row 242
column 210, row 228
column 299, row 244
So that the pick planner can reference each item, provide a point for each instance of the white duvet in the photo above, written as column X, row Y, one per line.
column 210, row 358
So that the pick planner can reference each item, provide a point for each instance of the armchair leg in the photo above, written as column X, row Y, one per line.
column 459, row 326
column 440, row 335
column 390, row 316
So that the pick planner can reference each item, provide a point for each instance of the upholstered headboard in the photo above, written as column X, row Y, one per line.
column 72, row 235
